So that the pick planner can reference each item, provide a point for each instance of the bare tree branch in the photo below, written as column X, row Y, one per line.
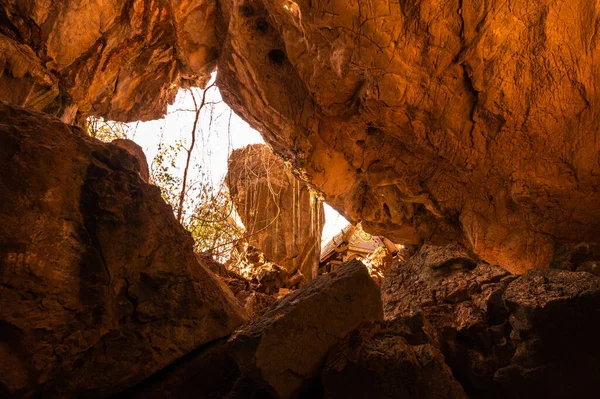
column 197, row 109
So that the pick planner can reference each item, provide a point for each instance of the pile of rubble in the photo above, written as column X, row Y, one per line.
column 254, row 281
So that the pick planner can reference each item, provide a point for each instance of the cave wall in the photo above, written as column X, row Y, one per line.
column 427, row 120
column 124, row 60
column 435, row 120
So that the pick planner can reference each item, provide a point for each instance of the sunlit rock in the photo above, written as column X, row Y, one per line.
column 282, row 215
column 426, row 120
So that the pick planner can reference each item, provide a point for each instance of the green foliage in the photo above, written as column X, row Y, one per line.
column 164, row 172
column 106, row 130
column 212, row 224
column 207, row 211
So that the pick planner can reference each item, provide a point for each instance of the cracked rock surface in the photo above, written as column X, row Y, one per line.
column 99, row 284
column 397, row 359
column 444, row 121
column 124, row 60
column 284, row 350
column 282, row 353
column 503, row 336
column 283, row 217
column 453, row 120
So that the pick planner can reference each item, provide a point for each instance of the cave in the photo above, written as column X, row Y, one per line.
column 465, row 133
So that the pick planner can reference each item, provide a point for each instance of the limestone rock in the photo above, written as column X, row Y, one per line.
column 99, row 285
column 390, row 360
column 281, row 354
column 285, row 349
column 210, row 373
column 211, row 264
column 455, row 121
column 446, row 121
column 503, row 336
column 461, row 297
column 574, row 256
column 255, row 294
column 555, row 318
column 254, row 302
column 283, row 217
column 136, row 151
column 121, row 60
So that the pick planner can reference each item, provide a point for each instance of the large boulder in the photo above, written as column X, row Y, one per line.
column 209, row 373
column 285, row 349
column 503, row 336
column 396, row 359
column 555, row 316
column 461, row 297
column 99, row 284
column 283, row 216
column 281, row 354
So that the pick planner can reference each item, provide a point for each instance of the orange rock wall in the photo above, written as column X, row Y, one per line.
column 427, row 120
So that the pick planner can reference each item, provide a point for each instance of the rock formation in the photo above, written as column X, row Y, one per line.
column 461, row 297
column 287, row 346
column 390, row 360
column 99, row 285
column 464, row 122
column 121, row 59
column 268, row 284
column 503, row 336
column 281, row 354
column 454, row 327
column 282, row 215
column 455, row 121
column 138, row 153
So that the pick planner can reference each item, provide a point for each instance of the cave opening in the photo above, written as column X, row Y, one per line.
column 182, row 258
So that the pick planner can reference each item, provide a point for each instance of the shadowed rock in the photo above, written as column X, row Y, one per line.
column 99, row 284
column 281, row 354
column 397, row 359
column 443, row 121
column 137, row 152
column 503, row 336
column 286, row 347
column 465, row 121
column 555, row 316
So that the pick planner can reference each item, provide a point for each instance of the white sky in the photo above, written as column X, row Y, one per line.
column 213, row 142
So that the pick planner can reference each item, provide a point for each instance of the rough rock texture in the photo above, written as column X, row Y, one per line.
column 137, row 153
column 390, row 360
column 579, row 257
column 209, row 373
column 283, row 217
column 461, row 120
column 281, row 354
column 257, row 293
column 121, row 59
column 99, row 285
column 454, row 120
column 285, row 349
column 503, row 336
column 555, row 317
column 462, row 299
column 211, row 264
